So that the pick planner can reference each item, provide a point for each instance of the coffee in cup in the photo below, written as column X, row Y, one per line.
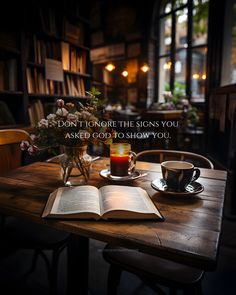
column 178, row 174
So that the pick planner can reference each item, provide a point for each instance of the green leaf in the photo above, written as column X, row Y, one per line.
column 93, row 92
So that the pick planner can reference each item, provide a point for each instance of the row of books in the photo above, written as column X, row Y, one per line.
column 39, row 49
column 8, row 74
column 37, row 84
column 39, row 110
column 72, row 59
column 36, row 112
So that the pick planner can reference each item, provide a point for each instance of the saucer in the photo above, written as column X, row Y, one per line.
column 193, row 188
column 107, row 175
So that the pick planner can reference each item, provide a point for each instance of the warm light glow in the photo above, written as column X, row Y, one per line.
column 196, row 76
column 125, row 73
column 145, row 68
column 204, row 77
column 119, row 149
column 110, row 67
column 167, row 66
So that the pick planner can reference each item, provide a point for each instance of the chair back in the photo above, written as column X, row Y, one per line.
column 167, row 155
column 10, row 153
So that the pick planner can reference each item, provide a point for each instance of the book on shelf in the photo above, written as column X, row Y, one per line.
column 74, row 86
column 41, row 83
column 37, row 84
column 82, row 62
column 65, row 55
column 29, row 79
column 37, row 50
column 73, row 59
column 36, row 112
column 108, row 202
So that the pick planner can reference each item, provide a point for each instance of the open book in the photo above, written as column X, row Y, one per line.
column 110, row 201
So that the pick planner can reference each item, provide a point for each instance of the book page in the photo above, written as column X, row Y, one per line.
column 71, row 200
column 128, row 198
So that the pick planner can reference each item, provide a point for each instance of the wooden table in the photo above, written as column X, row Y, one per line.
column 190, row 233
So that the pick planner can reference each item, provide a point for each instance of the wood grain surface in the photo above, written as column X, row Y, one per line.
column 190, row 233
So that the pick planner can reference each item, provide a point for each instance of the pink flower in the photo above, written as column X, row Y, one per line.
column 24, row 145
column 33, row 137
column 43, row 123
column 72, row 118
column 62, row 112
column 185, row 102
column 33, row 150
column 60, row 103
column 51, row 117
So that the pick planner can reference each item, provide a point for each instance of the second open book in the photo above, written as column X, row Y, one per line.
column 111, row 201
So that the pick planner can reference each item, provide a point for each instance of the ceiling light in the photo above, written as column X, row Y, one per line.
column 196, row 76
column 125, row 73
column 110, row 67
column 145, row 68
column 167, row 65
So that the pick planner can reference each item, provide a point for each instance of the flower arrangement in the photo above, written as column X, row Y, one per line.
column 179, row 102
column 71, row 125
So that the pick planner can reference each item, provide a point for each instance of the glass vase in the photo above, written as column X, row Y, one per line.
column 75, row 165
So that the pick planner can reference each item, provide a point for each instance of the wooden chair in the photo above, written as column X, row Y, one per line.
column 166, row 155
column 18, row 232
column 155, row 271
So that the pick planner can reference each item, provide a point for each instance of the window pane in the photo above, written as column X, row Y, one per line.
column 200, row 22
column 166, row 7
column 198, row 72
column 181, row 28
column 180, row 72
column 178, row 3
column 164, row 76
column 165, row 34
column 229, row 52
column 199, row 2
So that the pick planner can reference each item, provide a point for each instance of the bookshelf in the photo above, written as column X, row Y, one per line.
column 12, row 104
column 46, row 57
column 57, row 61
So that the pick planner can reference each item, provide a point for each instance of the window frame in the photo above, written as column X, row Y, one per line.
column 189, row 50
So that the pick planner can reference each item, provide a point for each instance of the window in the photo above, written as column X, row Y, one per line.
column 183, row 48
column 229, row 50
